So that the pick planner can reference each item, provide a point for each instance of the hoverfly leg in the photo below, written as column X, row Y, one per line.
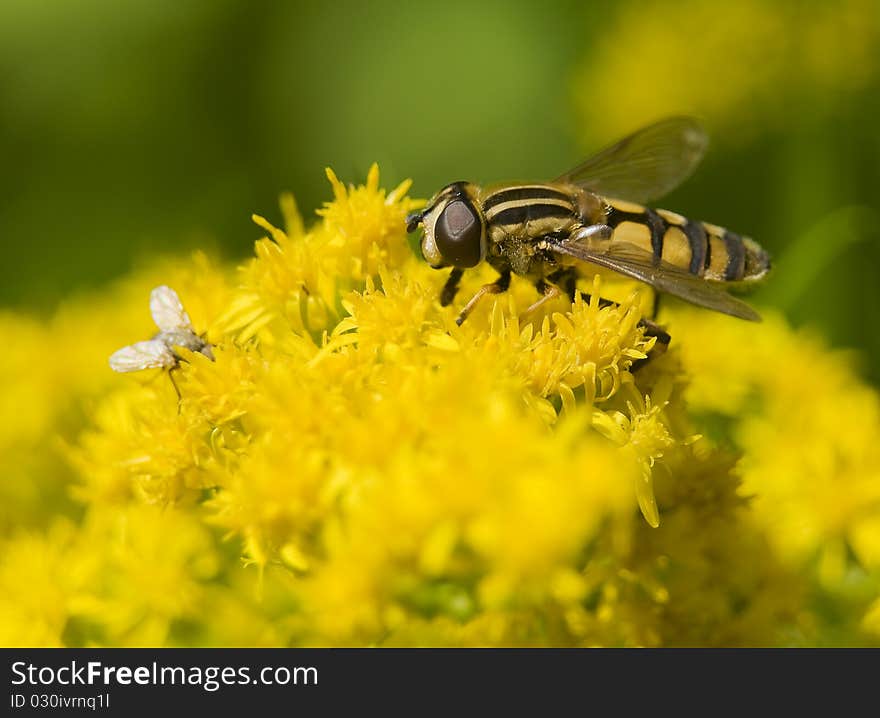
column 660, row 346
column 450, row 289
column 566, row 279
column 655, row 330
column 561, row 281
column 602, row 302
column 655, row 310
column 499, row 286
column 549, row 292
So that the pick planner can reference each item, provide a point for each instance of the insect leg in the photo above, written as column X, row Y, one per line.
column 655, row 330
column 548, row 293
column 660, row 346
column 450, row 289
column 655, row 310
column 566, row 279
column 500, row 285
column 176, row 389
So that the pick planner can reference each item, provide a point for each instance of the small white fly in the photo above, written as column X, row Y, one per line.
column 175, row 330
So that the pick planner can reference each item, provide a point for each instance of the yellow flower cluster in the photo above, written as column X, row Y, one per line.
column 808, row 431
column 748, row 64
column 356, row 469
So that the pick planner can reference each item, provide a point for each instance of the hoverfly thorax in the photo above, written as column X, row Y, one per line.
column 454, row 228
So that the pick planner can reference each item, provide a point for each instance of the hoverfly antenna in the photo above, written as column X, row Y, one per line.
column 413, row 219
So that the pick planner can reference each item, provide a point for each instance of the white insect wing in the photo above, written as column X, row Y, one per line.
column 167, row 311
column 151, row 354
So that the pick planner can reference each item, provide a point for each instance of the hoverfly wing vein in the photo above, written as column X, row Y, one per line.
column 167, row 310
column 637, row 264
column 645, row 165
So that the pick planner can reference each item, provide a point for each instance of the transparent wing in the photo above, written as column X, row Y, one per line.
column 167, row 311
column 631, row 261
column 151, row 354
column 645, row 165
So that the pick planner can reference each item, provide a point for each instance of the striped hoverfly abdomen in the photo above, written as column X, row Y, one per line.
column 553, row 232
column 703, row 249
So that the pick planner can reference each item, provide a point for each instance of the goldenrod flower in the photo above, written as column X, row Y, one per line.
column 356, row 469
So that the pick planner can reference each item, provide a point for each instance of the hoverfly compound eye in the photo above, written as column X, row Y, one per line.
column 458, row 234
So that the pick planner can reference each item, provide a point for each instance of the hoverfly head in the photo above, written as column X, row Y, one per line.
column 455, row 229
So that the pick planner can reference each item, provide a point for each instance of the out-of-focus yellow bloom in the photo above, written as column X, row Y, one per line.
column 787, row 394
column 808, row 431
column 749, row 63
column 356, row 469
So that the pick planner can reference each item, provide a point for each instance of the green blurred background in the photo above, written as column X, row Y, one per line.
column 151, row 126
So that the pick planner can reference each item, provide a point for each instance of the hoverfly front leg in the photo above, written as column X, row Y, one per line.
column 499, row 286
column 450, row 289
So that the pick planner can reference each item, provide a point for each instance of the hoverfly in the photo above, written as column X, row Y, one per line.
column 175, row 330
column 592, row 214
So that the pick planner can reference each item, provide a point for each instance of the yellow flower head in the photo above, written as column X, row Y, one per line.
column 364, row 227
column 356, row 469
